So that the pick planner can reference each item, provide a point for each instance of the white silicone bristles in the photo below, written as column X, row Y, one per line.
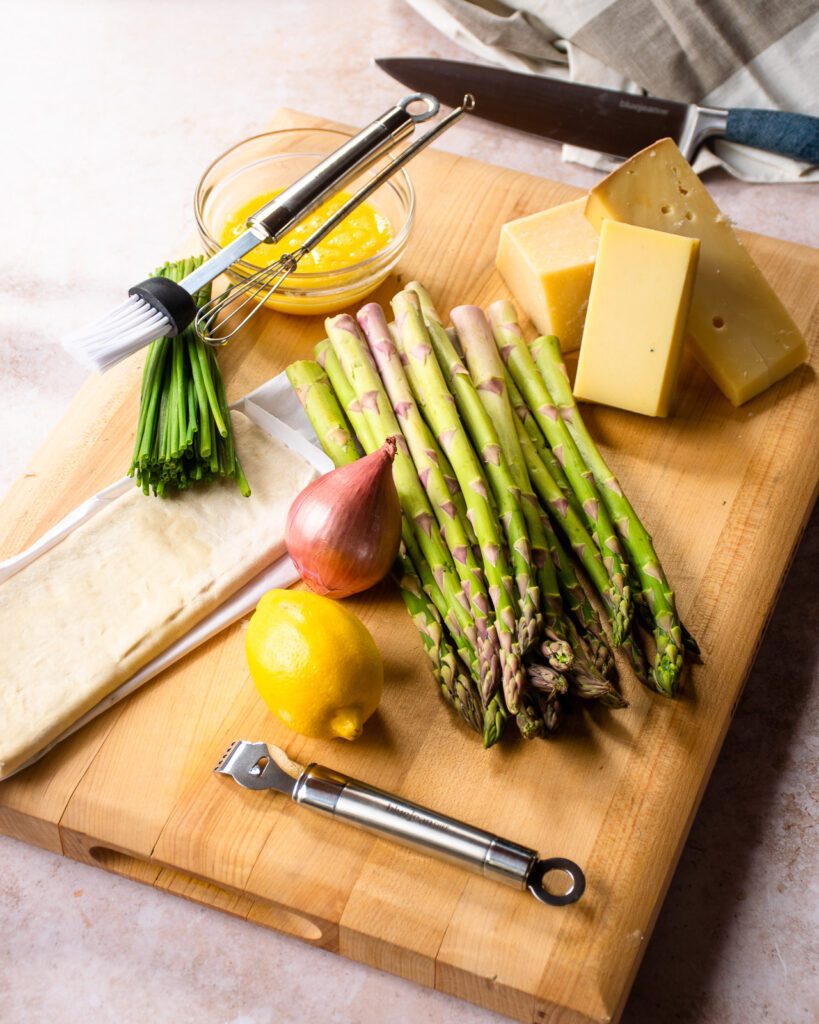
column 125, row 329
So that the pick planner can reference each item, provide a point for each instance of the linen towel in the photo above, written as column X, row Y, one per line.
column 722, row 53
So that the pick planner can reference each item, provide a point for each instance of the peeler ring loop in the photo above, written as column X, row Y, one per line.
column 535, row 881
column 431, row 103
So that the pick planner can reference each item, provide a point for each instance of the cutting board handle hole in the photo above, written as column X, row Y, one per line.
column 272, row 916
column 120, row 863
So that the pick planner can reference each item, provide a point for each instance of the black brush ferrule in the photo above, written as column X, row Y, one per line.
column 168, row 298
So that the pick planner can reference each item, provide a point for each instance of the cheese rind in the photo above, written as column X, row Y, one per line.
column 739, row 330
column 638, row 307
column 547, row 260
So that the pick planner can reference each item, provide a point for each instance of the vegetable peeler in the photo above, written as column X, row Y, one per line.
column 259, row 766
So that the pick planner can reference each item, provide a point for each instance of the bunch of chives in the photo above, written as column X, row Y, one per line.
column 184, row 433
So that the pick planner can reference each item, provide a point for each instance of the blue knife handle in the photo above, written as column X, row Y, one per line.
column 794, row 135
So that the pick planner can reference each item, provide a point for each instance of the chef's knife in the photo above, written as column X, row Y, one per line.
column 617, row 123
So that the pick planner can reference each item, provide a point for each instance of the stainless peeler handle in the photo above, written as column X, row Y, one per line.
column 427, row 831
column 340, row 167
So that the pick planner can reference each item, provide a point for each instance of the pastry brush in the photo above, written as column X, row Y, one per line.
column 158, row 307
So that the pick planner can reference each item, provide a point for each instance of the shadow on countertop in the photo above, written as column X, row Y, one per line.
column 754, row 820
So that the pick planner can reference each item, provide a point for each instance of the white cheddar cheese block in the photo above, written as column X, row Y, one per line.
column 638, row 307
column 547, row 260
column 739, row 330
column 86, row 615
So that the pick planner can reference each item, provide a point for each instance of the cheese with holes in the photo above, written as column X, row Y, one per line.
column 638, row 307
column 547, row 261
column 740, row 332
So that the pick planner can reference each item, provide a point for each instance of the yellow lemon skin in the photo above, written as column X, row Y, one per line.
column 314, row 664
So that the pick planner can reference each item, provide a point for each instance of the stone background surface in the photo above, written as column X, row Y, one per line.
column 110, row 113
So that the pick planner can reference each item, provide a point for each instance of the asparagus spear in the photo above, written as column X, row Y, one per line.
column 423, row 447
column 538, row 442
column 434, row 398
column 563, row 644
column 424, row 452
column 529, row 719
column 574, row 528
column 566, row 513
column 316, row 395
column 486, row 372
column 327, row 359
column 356, row 363
column 433, row 323
column 506, row 496
column 541, row 463
column 551, row 711
column 638, row 660
column 655, row 589
column 583, row 612
column 646, row 620
column 516, row 355
column 544, row 678
column 450, row 672
column 494, row 712
column 504, row 502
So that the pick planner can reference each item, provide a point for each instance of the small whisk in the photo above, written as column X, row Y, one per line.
column 215, row 320
column 159, row 307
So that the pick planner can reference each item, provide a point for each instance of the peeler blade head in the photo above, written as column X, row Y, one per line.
column 251, row 765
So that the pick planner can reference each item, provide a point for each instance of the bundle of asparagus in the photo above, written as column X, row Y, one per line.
column 499, row 481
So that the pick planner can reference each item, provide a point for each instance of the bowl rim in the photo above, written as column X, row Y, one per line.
column 395, row 245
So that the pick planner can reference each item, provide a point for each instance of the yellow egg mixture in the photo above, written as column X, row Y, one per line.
column 363, row 233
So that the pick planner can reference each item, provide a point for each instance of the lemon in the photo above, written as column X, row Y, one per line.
column 314, row 664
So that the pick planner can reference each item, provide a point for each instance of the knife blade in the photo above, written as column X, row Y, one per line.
column 617, row 123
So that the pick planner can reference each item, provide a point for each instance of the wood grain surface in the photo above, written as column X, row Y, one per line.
column 725, row 492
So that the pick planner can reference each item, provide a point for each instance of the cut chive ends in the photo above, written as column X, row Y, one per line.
column 184, row 433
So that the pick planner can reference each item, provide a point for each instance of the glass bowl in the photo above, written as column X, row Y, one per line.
column 274, row 160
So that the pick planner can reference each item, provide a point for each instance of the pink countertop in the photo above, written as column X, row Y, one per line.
column 112, row 112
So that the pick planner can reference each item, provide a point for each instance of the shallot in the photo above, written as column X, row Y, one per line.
column 344, row 529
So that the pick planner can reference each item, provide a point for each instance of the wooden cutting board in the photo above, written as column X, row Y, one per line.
column 726, row 493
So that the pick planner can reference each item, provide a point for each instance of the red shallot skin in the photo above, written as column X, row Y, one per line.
column 343, row 530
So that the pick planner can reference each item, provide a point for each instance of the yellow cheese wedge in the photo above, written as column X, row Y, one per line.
column 638, row 307
column 547, row 261
column 739, row 330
